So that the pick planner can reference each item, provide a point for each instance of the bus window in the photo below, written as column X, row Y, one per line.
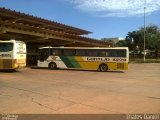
column 107, row 53
column 6, row 47
column 103, row 53
column 44, row 53
column 118, row 53
column 69, row 52
column 92, row 53
column 80, row 52
column 56, row 52
column 113, row 53
column 122, row 53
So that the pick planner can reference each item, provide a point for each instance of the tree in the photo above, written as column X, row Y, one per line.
column 152, row 39
column 121, row 43
column 109, row 41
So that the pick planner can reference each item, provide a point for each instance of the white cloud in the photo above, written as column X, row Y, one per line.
column 117, row 8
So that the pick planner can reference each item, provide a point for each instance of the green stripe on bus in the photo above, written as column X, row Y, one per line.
column 70, row 61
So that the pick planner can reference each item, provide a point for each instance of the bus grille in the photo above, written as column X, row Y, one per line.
column 7, row 64
column 120, row 66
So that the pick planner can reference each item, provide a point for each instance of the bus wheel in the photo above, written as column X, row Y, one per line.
column 103, row 67
column 52, row 65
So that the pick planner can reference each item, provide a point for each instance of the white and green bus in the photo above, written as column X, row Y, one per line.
column 12, row 55
column 96, row 58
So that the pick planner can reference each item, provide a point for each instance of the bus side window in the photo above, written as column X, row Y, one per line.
column 69, row 52
column 107, row 53
column 56, row 52
column 122, row 53
column 41, row 57
column 113, row 53
column 80, row 52
column 92, row 53
column 53, row 52
column 44, row 54
column 118, row 53
column 102, row 53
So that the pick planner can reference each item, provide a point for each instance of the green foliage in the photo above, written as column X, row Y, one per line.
column 152, row 37
column 109, row 41
column 122, row 43
column 135, row 40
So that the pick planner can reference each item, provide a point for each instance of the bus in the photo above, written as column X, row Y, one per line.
column 96, row 58
column 12, row 54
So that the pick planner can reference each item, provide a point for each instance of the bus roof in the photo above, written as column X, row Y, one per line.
column 49, row 47
column 10, row 41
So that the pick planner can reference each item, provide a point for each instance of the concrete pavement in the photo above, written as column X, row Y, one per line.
column 81, row 92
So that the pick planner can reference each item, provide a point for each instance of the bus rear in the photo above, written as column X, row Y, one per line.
column 12, row 54
column 20, row 54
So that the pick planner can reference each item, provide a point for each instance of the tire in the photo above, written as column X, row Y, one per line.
column 103, row 67
column 52, row 65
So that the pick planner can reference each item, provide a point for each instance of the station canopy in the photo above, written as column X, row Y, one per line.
column 38, row 31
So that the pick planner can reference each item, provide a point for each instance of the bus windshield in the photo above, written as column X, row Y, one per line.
column 6, row 47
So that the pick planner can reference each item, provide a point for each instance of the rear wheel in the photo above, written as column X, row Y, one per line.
column 52, row 65
column 103, row 67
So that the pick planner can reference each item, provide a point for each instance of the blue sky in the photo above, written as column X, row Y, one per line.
column 105, row 18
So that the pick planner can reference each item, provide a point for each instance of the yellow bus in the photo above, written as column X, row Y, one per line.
column 96, row 58
column 12, row 55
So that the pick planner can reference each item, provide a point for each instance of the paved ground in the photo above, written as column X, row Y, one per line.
column 68, row 91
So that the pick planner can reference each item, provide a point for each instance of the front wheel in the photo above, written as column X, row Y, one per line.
column 103, row 67
column 52, row 66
